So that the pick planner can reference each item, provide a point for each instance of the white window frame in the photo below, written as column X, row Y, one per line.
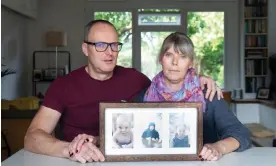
column 151, row 28
column 159, row 14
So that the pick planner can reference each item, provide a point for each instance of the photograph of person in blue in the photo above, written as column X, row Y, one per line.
column 150, row 137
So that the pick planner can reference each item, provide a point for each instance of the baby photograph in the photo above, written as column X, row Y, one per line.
column 148, row 130
column 122, row 134
column 179, row 131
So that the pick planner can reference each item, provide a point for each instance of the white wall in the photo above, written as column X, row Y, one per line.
column 256, row 113
column 247, row 113
column 14, row 51
column 64, row 15
column 267, row 117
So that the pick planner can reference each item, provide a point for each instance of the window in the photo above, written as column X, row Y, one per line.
column 159, row 19
column 150, row 46
column 151, row 24
column 159, row 10
column 206, row 29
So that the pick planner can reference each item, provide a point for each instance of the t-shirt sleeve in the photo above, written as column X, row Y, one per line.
column 53, row 97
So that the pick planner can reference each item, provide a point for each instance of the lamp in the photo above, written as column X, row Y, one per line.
column 56, row 39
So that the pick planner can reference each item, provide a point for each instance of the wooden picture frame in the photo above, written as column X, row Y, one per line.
column 263, row 93
column 151, row 131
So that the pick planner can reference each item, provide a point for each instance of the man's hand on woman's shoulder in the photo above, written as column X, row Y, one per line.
column 212, row 87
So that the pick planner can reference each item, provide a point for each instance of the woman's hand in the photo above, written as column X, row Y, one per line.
column 212, row 87
column 211, row 152
column 83, row 148
column 88, row 153
column 78, row 141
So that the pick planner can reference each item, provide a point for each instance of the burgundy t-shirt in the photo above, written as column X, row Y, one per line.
column 77, row 95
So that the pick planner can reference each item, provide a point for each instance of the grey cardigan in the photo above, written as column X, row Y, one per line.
column 219, row 123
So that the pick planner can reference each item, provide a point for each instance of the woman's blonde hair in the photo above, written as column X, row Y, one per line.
column 181, row 44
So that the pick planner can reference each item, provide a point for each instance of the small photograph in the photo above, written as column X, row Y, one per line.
column 37, row 75
column 149, row 130
column 122, row 133
column 179, row 131
column 263, row 93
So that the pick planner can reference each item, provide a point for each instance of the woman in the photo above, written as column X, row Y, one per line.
column 178, row 81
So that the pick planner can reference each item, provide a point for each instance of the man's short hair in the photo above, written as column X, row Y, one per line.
column 92, row 23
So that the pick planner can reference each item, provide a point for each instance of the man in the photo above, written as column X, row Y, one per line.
column 74, row 99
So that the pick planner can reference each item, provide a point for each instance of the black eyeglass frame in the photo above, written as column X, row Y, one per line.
column 108, row 45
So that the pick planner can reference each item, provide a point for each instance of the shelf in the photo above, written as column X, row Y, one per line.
column 43, row 81
column 46, row 67
column 256, row 5
column 260, row 135
column 255, row 34
column 255, row 18
column 256, row 75
column 256, row 58
column 254, row 48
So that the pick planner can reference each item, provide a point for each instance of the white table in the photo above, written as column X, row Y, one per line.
column 264, row 156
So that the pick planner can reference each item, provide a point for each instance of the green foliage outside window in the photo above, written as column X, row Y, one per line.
column 206, row 29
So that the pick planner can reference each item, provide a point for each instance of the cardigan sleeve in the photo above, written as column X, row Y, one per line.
column 228, row 125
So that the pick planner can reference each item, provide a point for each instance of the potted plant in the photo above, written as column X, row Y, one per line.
column 7, row 71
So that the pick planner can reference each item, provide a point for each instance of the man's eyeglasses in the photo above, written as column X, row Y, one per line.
column 102, row 46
